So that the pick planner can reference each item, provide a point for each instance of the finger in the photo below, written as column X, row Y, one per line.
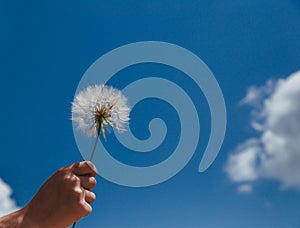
column 84, row 168
column 87, row 182
column 87, row 209
column 89, row 196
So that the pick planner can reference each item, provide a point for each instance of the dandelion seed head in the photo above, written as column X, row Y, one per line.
column 97, row 106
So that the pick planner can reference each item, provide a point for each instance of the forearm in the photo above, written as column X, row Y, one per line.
column 21, row 219
column 13, row 220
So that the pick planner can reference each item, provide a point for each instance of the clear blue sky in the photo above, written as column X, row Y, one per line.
column 46, row 46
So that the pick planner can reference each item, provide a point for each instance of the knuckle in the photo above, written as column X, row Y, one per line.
column 72, row 179
column 87, row 210
column 84, row 209
column 77, row 193
column 93, row 181
column 75, row 179
column 91, row 166
column 92, row 196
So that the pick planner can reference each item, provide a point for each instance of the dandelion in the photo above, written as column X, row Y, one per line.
column 98, row 107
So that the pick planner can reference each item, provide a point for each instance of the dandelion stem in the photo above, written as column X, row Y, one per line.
column 92, row 155
column 95, row 145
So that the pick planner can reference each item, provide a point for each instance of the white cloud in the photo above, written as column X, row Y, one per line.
column 245, row 188
column 275, row 154
column 7, row 204
column 255, row 95
column 241, row 165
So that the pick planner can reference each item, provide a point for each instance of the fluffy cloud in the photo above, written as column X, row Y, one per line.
column 275, row 153
column 7, row 204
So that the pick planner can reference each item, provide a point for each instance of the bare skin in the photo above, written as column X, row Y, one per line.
column 63, row 199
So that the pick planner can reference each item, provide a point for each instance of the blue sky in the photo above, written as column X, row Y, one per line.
column 47, row 46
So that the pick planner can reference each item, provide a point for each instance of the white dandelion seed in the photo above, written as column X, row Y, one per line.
column 98, row 106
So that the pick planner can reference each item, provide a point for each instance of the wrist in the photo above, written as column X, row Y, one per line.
column 38, row 219
column 30, row 218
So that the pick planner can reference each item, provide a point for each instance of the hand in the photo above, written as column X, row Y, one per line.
column 63, row 199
